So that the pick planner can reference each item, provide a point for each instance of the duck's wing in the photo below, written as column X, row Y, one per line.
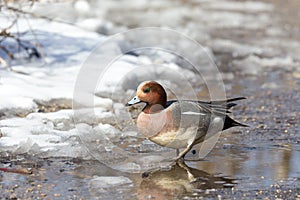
column 188, row 114
column 220, row 106
column 216, row 107
column 205, row 109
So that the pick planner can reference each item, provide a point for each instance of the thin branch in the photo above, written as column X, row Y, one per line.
column 17, row 10
column 30, row 50
column 19, row 171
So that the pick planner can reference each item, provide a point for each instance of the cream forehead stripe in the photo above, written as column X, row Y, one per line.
column 143, row 83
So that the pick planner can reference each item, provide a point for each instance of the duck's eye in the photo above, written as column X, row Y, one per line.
column 146, row 90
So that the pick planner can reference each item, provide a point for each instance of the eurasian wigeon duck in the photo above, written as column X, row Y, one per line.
column 179, row 124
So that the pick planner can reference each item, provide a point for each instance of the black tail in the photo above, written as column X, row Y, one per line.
column 231, row 123
column 229, row 103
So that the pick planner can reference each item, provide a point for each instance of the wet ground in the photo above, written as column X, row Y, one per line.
column 259, row 162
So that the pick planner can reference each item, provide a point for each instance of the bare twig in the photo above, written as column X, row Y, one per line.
column 20, row 11
column 19, row 171
column 16, row 9
column 5, row 33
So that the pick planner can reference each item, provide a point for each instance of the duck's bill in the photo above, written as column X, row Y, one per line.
column 133, row 101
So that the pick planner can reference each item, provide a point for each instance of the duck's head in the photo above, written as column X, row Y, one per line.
column 151, row 93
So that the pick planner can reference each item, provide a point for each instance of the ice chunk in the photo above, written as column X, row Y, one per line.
column 53, row 134
column 108, row 130
column 108, row 181
column 104, row 187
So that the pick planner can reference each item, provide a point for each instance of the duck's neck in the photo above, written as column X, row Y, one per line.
column 150, row 108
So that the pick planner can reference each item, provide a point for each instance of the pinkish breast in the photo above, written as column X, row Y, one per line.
column 152, row 124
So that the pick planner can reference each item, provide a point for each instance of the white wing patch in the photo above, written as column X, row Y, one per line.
column 192, row 113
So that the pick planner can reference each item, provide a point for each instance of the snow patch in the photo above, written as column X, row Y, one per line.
column 254, row 65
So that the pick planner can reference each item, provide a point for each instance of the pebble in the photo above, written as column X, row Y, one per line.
column 57, row 195
column 29, row 190
column 43, row 195
column 227, row 146
column 278, row 190
column 261, row 126
column 12, row 197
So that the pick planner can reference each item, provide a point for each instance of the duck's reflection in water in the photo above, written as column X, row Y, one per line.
column 180, row 180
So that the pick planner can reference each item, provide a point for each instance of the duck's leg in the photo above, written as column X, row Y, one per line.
column 185, row 151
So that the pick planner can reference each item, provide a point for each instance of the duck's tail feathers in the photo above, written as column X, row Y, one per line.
column 228, row 123
column 235, row 99
column 229, row 103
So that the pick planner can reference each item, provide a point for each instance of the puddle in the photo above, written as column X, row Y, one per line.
column 259, row 162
